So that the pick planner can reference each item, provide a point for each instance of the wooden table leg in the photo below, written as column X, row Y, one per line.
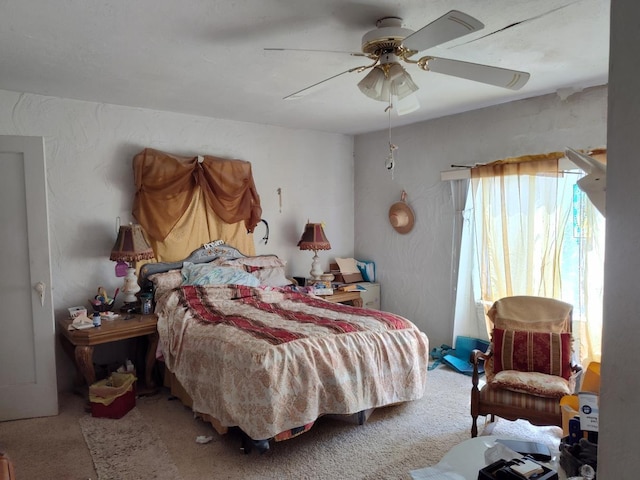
column 84, row 363
column 69, row 349
column 151, row 359
column 357, row 302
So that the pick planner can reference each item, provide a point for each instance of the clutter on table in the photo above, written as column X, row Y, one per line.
column 102, row 302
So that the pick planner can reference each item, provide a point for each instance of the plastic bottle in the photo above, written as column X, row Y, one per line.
column 96, row 319
column 147, row 304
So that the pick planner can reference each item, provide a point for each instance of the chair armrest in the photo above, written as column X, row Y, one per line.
column 477, row 355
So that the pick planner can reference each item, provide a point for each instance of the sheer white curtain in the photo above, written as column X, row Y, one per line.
column 528, row 230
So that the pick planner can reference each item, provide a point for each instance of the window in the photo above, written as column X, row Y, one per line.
column 529, row 230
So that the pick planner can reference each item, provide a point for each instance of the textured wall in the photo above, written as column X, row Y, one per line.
column 415, row 269
column 89, row 148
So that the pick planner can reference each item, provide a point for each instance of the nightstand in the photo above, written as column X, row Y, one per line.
column 371, row 295
column 79, row 344
column 352, row 298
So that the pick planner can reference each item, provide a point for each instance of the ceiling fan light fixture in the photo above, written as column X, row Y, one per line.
column 395, row 71
column 408, row 104
column 372, row 85
column 403, row 86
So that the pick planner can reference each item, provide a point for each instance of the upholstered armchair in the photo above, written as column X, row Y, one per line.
column 528, row 365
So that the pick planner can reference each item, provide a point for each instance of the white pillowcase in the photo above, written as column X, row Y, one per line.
column 271, row 276
column 268, row 269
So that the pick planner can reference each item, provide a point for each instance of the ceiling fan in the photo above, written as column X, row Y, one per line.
column 390, row 43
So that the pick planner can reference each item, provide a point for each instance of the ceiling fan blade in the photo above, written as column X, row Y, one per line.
column 452, row 25
column 354, row 69
column 585, row 162
column 500, row 77
column 353, row 54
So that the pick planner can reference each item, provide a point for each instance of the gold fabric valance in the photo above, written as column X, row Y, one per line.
column 543, row 164
column 166, row 184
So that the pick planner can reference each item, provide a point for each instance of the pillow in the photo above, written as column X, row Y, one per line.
column 533, row 383
column 268, row 269
column 525, row 351
column 270, row 276
column 165, row 281
column 257, row 261
column 207, row 274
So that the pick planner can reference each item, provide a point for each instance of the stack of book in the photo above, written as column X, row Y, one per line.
column 351, row 287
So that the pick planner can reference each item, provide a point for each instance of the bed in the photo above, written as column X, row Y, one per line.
column 269, row 358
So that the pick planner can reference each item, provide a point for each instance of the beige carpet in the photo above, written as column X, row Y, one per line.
column 394, row 441
column 127, row 447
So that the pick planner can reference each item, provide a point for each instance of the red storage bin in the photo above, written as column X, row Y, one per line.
column 114, row 396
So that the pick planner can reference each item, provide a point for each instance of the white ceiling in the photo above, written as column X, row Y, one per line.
column 207, row 57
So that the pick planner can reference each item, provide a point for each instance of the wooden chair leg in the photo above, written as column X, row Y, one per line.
column 474, row 427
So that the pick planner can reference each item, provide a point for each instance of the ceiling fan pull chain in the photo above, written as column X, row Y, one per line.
column 390, row 162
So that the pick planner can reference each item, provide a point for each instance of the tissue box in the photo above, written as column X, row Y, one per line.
column 77, row 311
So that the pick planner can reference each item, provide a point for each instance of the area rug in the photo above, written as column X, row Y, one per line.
column 127, row 448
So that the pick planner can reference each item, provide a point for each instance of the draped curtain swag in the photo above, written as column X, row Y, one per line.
column 166, row 184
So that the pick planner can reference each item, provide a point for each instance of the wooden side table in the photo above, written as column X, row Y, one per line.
column 79, row 344
column 345, row 297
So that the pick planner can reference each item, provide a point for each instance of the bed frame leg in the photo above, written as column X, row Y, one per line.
column 247, row 444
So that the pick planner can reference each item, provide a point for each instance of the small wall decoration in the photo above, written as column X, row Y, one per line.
column 401, row 215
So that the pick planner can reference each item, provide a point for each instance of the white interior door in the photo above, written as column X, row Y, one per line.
column 28, row 385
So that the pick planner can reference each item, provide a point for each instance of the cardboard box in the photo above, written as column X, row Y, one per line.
column 344, row 277
column 589, row 412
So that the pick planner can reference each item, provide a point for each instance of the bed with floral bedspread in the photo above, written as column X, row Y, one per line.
column 271, row 360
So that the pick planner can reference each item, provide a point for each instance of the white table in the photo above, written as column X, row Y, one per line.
column 464, row 461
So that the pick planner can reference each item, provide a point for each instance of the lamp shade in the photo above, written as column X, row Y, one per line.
column 313, row 238
column 131, row 246
column 371, row 85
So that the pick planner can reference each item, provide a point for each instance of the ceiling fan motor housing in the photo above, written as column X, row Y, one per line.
column 386, row 38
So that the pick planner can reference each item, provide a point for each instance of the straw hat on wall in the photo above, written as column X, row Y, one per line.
column 401, row 216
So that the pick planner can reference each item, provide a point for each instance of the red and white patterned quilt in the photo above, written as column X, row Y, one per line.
column 269, row 360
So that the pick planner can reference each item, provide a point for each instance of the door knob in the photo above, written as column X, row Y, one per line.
column 40, row 288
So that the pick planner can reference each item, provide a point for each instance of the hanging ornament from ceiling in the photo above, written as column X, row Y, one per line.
column 390, row 162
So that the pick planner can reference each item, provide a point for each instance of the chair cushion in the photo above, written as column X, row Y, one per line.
column 526, row 351
column 501, row 396
column 532, row 383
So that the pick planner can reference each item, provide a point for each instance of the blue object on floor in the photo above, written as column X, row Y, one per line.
column 437, row 354
column 458, row 358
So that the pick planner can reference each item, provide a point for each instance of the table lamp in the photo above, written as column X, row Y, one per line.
column 130, row 247
column 313, row 238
